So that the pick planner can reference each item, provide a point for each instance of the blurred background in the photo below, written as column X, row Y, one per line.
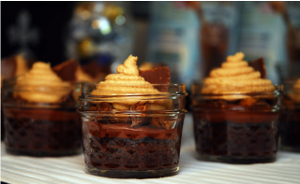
column 189, row 37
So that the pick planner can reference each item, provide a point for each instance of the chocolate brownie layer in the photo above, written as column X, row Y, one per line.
column 290, row 130
column 120, row 147
column 236, row 133
column 42, row 132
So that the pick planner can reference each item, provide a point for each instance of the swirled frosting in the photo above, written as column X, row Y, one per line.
column 295, row 94
column 235, row 76
column 41, row 84
column 126, row 81
column 297, row 84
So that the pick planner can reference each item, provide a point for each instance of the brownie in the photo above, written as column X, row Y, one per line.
column 158, row 75
column 42, row 132
column 111, row 144
column 67, row 70
column 237, row 131
column 259, row 65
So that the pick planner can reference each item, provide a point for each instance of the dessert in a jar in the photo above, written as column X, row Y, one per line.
column 236, row 114
column 11, row 67
column 131, row 127
column 290, row 119
column 40, row 114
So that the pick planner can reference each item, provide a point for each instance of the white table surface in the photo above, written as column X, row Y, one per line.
column 24, row 169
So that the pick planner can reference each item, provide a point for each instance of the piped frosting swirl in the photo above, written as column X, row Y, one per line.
column 235, row 76
column 127, row 81
column 41, row 84
column 295, row 93
column 296, row 86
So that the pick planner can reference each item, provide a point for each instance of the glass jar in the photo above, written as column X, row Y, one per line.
column 290, row 119
column 41, row 129
column 236, row 127
column 133, row 135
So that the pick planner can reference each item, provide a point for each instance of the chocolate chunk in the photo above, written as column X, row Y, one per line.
column 14, row 66
column 162, row 122
column 220, row 103
column 92, row 68
column 158, row 123
column 248, row 102
column 67, row 70
column 8, row 67
column 140, row 107
column 142, row 119
column 104, row 106
column 159, row 75
column 259, row 65
column 95, row 70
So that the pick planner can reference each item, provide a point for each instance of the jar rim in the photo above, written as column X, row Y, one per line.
column 10, row 85
column 136, row 84
column 129, row 113
column 175, row 89
column 278, row 89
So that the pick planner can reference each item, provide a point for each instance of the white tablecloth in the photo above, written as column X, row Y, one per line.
column 23, row 169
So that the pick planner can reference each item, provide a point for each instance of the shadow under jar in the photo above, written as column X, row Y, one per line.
column 290, row 119
column 41, row 129
column 236, row 127
column 138, row 141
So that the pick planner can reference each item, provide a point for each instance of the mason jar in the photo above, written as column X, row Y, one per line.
column 41, row 129
column 290, row 119
column 236, row 127
column 132, row 135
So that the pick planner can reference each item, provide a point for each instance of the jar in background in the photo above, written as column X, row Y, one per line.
column 290, row 119
column 41, row 129
column 236, row 127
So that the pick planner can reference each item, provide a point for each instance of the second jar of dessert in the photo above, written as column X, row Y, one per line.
column 40, row 114
column 132, row 128
column 290, row 119
column 236, row 115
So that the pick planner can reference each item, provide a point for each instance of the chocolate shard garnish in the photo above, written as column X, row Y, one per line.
column 8, row 67
column 95, row 70
column 259, row 65
column 67, row 70
column 92, row 68
column 142, row 119
column 159, row 75
column 14, row 66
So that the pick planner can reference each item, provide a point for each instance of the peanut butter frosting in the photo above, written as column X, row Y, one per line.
column 295, row 94
column 41, row 84
column 127, row 81
column 21, row 64
column 297, row 85
column 235, row 76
